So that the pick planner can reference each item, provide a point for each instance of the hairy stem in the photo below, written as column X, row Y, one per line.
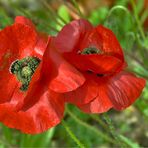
column 112, row 130
column 99, row 133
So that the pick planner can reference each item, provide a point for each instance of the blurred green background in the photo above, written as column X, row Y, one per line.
column 128, row 19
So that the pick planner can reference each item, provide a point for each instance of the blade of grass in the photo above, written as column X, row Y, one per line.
column 54, row 13
column 144, row 16
column 97, row 118
column 112, row 130
column 137, row 19
column 71, row 134
column 34, row 18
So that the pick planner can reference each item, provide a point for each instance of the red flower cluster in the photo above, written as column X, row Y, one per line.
column 83, row 65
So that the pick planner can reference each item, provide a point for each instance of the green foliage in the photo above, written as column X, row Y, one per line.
column 63, row 16
column 85, row 135
column 98, row 16
column 40, row 140
column 4, row 19
column 120, row 21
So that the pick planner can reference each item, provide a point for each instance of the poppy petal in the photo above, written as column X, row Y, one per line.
column 102, row 64
column 16, row 41
column 41, row 45
column 110, row 42
column 84, row 94
column 41, row 40
column 24, row 21
column 91, row 39
column 64, row 77
column 101, row 103
column 123, row 89
column 44, row 114
column 98, row 105
column 69, row 36
column 42, row 108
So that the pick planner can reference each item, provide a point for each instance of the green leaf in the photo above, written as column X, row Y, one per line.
column 141, row 70
column 120, row 21
column 63, row 14
column 98, row 16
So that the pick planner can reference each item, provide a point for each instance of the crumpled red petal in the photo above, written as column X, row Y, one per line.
column 99, row 64
column 118, row 91
column 17, row 40
column 99, row 105
column 45, row 113
column 84, row 94
column 69, row 36
column 24, row 21
column 41, row 40
column 110, row 42
column 64, row 77
column 123, row 89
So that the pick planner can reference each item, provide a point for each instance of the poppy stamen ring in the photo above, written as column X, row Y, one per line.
column 24, row 69
column 90, row 50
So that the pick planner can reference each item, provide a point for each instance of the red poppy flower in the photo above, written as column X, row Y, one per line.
column 94, row 55
column 26, row 103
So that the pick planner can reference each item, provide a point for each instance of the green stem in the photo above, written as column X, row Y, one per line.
column 97, row 118
column 137, row 20
column 105, row 137
column 144, row 16
column 112, row 130
column 71, row 134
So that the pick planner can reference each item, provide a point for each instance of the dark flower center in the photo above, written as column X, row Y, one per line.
column 98, row 75
column 90, row 50
column 24, row 69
